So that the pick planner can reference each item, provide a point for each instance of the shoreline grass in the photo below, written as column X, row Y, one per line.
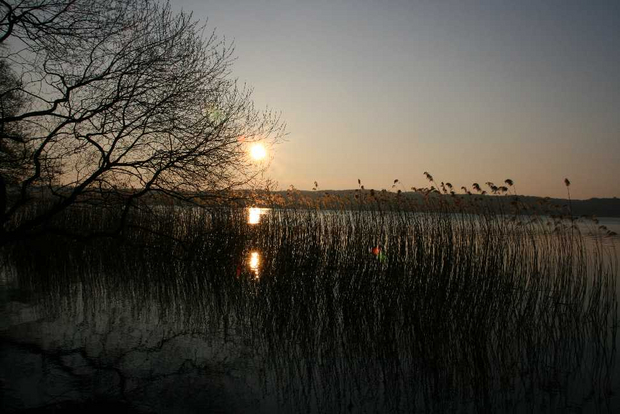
column 464, row 312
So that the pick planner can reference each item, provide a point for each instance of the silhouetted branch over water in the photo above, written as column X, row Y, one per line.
column 106, row 102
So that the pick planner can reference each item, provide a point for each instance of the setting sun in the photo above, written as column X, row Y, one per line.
column 258, row 152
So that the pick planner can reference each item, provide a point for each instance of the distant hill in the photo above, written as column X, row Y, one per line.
column 600, row 207
column 380, row 199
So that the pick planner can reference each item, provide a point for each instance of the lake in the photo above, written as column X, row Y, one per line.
column 261, row 310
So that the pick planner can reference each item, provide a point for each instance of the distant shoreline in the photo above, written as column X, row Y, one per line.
column 379, row 199
column 599, row 207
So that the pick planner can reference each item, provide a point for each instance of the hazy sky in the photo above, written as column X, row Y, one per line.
column 466, row 90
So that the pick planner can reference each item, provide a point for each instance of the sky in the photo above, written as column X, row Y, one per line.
column 470, row 91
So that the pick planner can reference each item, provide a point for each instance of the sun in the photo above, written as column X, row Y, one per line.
column 258, row 152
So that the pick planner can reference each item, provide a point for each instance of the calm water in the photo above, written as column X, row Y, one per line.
column 330, row 312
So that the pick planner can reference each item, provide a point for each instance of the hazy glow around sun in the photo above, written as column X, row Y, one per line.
column 258, row 152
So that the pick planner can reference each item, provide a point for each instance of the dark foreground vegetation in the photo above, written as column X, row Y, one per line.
column 326, row 310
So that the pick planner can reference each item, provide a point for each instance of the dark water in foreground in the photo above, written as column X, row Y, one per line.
column 298, row 313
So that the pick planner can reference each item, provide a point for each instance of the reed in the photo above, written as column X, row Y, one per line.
column 392, row 308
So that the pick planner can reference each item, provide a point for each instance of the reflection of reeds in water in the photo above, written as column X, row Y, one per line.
column 464, row 313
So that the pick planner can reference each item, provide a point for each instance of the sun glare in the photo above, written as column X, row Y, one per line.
column 255, row 263
column 254, row 215
column 258, row 152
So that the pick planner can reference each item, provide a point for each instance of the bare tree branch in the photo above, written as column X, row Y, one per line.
column 120, row 99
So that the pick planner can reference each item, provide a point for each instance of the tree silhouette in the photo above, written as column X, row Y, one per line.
column 14, row 152
column 121, row 99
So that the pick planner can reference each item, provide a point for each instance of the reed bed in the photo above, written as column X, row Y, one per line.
column 363, row 310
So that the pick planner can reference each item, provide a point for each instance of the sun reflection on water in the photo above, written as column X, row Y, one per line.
column 255, row 213
column 254, row 263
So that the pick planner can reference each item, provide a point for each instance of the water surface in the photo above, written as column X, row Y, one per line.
column 296, row 311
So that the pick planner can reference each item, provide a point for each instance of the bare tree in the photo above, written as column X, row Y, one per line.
column 14, row 152
column 120, row 99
